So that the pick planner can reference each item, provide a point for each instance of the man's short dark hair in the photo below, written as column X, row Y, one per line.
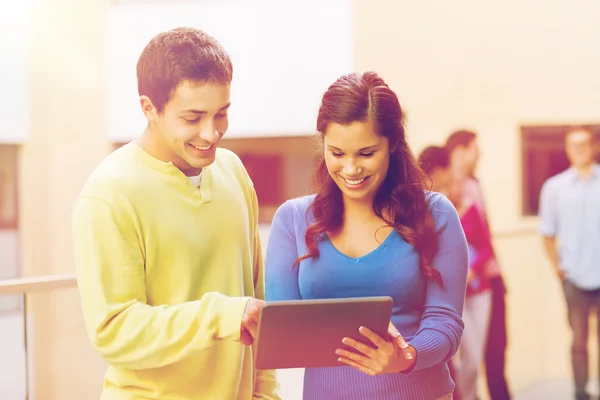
column 178, row 55
column 580, row 128
column 462, row 138
column 433, row 157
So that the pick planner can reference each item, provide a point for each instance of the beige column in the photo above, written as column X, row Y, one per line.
column 68, row 138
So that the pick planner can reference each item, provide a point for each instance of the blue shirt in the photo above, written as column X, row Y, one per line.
column 570, row 211
column 428, row 316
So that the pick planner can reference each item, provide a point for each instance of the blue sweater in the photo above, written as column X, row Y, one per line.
column 429, row 317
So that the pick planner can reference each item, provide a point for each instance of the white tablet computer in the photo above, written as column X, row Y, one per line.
column 306, row 333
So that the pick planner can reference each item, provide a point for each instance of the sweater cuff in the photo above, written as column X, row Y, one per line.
column 432, row 348
column 232, row 310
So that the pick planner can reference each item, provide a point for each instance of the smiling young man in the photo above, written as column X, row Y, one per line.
column 167, row 249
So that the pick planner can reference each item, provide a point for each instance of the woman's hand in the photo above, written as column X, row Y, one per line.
column 387, row 357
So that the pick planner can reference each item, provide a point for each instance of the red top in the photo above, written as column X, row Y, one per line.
column 480, row 248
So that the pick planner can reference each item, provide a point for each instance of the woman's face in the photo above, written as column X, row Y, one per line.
column 357, row 159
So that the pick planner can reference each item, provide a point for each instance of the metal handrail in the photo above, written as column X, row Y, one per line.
column 37, row 284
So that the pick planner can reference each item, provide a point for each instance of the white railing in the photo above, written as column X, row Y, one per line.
column 37, row 284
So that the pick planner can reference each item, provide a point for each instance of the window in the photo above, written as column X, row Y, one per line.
column 9, row 234
column 543, row 156
column 8, row 187
column 280, row 167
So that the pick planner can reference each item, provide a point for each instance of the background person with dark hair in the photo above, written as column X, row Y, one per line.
column 463, row 148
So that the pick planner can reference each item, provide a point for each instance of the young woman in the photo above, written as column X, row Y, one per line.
column 478, row 302
column 373, row 230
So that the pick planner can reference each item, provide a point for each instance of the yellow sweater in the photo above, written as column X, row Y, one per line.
column 165, row 271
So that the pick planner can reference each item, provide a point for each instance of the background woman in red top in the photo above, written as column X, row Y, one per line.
column 476, row 314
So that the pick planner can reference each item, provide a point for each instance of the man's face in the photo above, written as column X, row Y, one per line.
column 579, row 149
column 191, row 124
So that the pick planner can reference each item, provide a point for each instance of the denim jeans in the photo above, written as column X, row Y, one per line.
column 579, row 304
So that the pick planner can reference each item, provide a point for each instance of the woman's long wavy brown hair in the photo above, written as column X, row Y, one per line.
column 400, row 201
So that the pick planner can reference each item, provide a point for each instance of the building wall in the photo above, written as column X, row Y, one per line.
column 489, row 68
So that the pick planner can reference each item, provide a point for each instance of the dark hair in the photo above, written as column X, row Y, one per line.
column 400, row 201
column 461, row 138
column 181, row 54
column 433, row 157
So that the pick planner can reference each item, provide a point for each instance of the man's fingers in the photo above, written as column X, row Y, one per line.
column 252, row 328
column 248, row 330
column 254, row 306
column 246, row 338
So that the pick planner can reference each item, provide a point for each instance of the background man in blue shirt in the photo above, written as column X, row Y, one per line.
column 570, row 226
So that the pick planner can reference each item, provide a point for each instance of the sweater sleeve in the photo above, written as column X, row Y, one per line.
column 281, row 276
column 441, row 326
column 265, row 383
column 124, row 329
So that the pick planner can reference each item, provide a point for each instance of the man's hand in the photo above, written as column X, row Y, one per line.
column 250, row 321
